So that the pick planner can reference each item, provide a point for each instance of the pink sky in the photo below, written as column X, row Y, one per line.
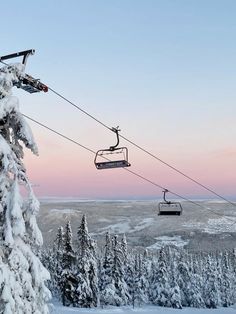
column 66, row 170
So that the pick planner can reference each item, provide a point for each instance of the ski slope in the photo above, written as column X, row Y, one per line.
column 59, row 309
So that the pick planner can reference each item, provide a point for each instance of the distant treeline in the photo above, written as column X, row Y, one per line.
column 83, row 276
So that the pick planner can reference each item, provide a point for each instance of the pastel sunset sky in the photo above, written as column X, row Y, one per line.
column 162, row 70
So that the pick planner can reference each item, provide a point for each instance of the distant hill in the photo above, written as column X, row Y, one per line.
column 212, row 228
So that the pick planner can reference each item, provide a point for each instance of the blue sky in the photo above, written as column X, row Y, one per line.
column 164, row 71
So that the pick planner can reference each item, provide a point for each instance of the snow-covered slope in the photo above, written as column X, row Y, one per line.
column 59, row 309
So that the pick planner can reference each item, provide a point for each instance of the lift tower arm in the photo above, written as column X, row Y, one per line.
column 26, row 81
column 24, row 53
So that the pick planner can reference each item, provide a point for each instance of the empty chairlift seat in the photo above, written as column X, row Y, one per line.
column 107, row 159
column 169, row 208
column 113, row 157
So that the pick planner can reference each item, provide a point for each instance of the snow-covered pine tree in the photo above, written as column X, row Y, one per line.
column 124, row 249
column 52, row 260
column 58, row 245
column 145, row 269
column 22, row 275
column 68, row 282
column 162, row 282
column 152, row 278
column 122, row 296
column 128, row 261
column 87, row 289
column 106, row 285
column 226, row 282
column 175, row 295
column 140, row 287
column 130, row 277
column 211, row 289
column 49, row 261
column 58, row 252
column 196, row 283
column 183, row 278
column 232, row 267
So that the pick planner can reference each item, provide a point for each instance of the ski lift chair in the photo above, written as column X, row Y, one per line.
column 169, row 208
column 113, row 157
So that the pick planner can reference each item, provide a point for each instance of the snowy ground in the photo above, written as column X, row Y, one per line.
column 215, row 225
column 59, row 309
column 164, row 240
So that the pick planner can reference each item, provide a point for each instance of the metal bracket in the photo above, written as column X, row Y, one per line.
column 26, row 82
column 24, row 53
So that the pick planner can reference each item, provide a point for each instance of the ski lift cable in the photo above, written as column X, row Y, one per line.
column 143, row 149
column 139, row 147
column 60, row 134
column 130, row 171
column 79, row 108
column 93, row 152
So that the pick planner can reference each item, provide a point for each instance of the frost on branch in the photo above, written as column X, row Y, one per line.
column 22, row 275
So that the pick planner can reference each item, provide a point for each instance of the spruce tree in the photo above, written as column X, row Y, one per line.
column 124, row 249
column 161, row 282
column 49, row 261
column 87, row 288
column 106, row 282
column 153, row 284
column 183, row 278
column 22, row 275
column 226, row 282
column 211, row 289
column 68, row 282
column 232, row 268
column 175, row 294
column 196, row 284
column 53, row 262
column 122, row 296
column 140, row 295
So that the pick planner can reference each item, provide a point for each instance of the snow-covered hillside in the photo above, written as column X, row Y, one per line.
column 195, row 229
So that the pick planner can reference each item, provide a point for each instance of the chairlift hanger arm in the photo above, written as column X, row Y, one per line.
column 116, row 130
column 164, row 195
